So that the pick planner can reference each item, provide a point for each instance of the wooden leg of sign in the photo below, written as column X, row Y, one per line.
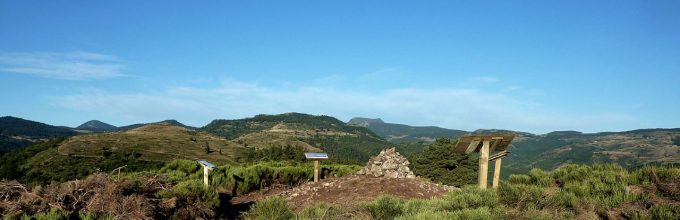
column 316, row 170
column 205, row 176
column 483, row 165
column 497, row 173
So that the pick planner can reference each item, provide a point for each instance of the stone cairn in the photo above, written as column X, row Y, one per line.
column 389, row 163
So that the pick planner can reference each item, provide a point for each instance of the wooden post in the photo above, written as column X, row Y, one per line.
column 205, row 175
column 497, row 173
column 316, row 170
column 484, row 164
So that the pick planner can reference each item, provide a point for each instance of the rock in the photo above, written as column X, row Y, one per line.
column 389, row 163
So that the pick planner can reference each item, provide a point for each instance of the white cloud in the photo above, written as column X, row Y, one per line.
column 467, row 109
column 68, row 66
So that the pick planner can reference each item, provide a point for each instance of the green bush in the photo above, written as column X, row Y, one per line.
column 254, row 177
column 540, row 177
column 441, row 164
column 385, row 207
column 565, row 199
column 665, row 212
column 323, row 211
column 520, row 195
column 53, row 214
column 470, row 197
column 519, row 179
column 275, row 208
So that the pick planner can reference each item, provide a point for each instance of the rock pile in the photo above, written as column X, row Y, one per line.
column 389, row 163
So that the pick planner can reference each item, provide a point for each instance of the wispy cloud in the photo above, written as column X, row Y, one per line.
column 67, row 65
column 468, row 109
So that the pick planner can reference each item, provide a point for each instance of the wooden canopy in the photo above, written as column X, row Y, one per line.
column 473, row 143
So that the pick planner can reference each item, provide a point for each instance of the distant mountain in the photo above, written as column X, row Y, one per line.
column 404, row 133
column 548, row 151
column 16, row 132
column 343, row 143
column 169, row 121
column 629, row 149
column 97, row 126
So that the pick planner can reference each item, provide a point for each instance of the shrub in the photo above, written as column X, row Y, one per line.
column 664, row 212
column 519, row 179
column 520, row 195
column 470, row 197
column 441, row 164
column 540, row 177
column 194, row 197
column 385, row 207
column 273, row 209
column 323, row 211
column 565, row 199
column 53, row 214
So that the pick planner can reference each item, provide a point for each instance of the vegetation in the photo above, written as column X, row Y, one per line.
column 175, row 190
column 344, row 144
column 16, row 132
column 440, row 164
column 276, row 153
column 154, row 142
column 569, row 192
column 41, row 164
column 399, row 133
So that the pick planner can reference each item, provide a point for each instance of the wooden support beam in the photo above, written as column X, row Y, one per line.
column 316, row 170
column 496, row 173
column 206, row 173
column 483, row 164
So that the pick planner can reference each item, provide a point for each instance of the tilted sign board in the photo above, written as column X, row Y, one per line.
column 473, row 143
column 207, row 164
column 207, row 167
column 316, row 155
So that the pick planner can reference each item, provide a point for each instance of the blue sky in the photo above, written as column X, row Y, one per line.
column 534, row 66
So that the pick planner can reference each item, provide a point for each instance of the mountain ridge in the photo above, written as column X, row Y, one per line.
column 96, row 126
column 18, row 132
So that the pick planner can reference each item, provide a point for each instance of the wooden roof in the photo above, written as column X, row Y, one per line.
column 472, row 143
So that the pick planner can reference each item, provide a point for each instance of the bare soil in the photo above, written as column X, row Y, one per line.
column 350, row 190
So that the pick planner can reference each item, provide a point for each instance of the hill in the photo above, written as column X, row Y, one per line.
column 343, row 143
column 169, row 121
column 163, row 141
column 404, row 133
column 16, row 132
column 96, row 126
column 629, row 149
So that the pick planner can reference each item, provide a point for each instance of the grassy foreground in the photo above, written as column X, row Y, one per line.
column 568, row 192
column 175, row 191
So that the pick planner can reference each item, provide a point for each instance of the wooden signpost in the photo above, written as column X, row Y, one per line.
column 207, row 167
column 485, row 144
column 316, row 157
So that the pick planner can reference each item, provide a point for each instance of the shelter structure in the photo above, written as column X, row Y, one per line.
column 316, row 157
column 207, row 167
column 485, row 144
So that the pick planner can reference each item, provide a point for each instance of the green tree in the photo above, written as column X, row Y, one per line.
column 440, row 163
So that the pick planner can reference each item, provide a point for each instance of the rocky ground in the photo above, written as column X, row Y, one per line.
column 387, row 173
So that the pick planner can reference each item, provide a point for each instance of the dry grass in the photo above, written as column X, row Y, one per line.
column 154, row 142
column 99, row 195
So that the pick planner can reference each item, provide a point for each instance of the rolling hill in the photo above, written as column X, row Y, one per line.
column 16, row 132
column 548, row 151
column 404, row 133
column 629, row 149
column 343, row 143
column 161, row 141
